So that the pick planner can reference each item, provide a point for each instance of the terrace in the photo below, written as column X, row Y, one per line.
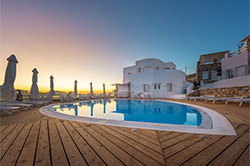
column 30, row 138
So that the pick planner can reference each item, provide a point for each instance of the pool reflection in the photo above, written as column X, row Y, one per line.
column 134, row 110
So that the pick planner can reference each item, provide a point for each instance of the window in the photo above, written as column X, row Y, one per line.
column 139, row 69
column 229, row 73
column 157, row 68
column 167, row 68
column 205, row 75
column 146, row 88
column 240, row 71
column 157, row 86
column 169, row 87
column 214, row 75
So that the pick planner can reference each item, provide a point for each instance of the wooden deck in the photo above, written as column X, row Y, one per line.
column 49, row 141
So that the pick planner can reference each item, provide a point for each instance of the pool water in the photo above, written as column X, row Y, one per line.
column 151, row 111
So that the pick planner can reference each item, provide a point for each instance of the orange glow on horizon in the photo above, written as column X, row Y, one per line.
column 80, row 91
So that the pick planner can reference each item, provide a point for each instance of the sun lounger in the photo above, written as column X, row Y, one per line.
column 5, row 109
column 106, row 96
column 146, row 95
column 84, row 97
column 213, row 99
column 19, row 104
column 244, row 100
column 189, row 98
column 37, row 103
column 66, row 98
column 239, row 100
column 195, row 98
column 46, row 98
column 99, row 96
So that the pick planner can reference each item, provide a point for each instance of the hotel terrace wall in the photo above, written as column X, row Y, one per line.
column 223, row 92
column 227, row 92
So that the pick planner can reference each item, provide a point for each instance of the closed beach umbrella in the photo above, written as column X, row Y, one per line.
column 91, row 109
column 91, row 89
column 104, row 91
column 51, row 92
column 75, row 88
column 76, row 110
column 7, row 90
column 104, row 106
column 34, row 91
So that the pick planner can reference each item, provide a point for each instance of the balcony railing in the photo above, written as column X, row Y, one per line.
column 237, row 52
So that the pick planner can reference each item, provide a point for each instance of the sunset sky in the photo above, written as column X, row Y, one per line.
column 92, row 40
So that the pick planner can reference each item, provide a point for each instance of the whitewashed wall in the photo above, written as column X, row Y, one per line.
column 150, row 64
column 232, row 82
column 126, row 71
column 154, row 71
column 233, row 62
column 122, row 91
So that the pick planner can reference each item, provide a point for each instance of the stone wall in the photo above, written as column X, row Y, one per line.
column 227, row 92
column 209, row 68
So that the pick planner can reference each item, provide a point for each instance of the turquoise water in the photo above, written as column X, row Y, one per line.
column 134, row 110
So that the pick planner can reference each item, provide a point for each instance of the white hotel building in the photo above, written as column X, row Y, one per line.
column 152, row 78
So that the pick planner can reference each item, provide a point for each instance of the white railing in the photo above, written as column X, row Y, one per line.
column 237, row 52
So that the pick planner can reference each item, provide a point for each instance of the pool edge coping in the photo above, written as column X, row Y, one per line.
column 220, row 125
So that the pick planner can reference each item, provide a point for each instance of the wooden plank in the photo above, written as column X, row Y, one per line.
column 27, row 155
column 153, row 140
column 231, row 154
column 7, row 131
column 74, row 156
column 212, row 151
column 58, row 156
column 150, row 135
column 119, row 153
column 43, row 148
column 5, row 144
column 105, row 154
column 169, row 136
column 163, row 133
column 154, row 147
column 244, row 159
column 175, row 140
column 236, row 125
column 186, row 154
column 139, row 155
column 236, row 118
column 89, row 154
column 2, row 128
column 12, row 154
column 181, row 146
column 140, row 146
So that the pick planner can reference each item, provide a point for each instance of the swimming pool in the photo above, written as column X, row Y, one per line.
column 134, row 110
column 146, row 114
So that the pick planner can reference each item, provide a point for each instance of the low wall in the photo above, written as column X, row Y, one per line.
column 243, row 91
column 228, row 83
